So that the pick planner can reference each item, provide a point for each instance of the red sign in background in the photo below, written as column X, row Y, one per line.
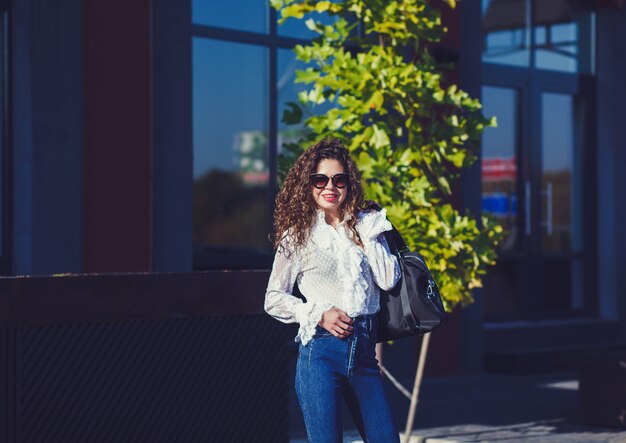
column 499, row 168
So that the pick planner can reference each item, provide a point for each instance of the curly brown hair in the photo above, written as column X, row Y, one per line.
column 295, row 208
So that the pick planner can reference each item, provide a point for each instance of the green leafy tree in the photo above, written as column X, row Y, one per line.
column 410, row 133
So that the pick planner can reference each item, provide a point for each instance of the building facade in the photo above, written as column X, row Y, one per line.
column 142, row 137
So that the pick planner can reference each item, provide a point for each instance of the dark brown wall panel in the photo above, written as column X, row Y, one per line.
column 117, row 169
column 142, row 358
column 8, row 385
column 201, row 380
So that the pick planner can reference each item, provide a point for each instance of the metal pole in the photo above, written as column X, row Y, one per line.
column 416, row 387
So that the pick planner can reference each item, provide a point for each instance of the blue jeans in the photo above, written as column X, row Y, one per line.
column 330, row 368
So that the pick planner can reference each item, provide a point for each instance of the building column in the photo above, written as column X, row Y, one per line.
column 611, row 151
column 118, row 136
column 46, row 88
column 172, row 146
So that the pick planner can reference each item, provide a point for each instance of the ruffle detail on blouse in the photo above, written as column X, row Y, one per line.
column 354, row 283
column 317, row 235
column 310, row 315
column 371, row 224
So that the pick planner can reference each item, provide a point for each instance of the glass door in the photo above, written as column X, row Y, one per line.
column 533, row 183
column 559, row 191
column 502, row 185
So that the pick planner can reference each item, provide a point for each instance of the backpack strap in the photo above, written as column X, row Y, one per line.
column 393, row 239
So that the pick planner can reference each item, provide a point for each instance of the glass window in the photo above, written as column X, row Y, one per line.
column 230, row 166
column 288, row 92
column 503, row 285
column 232, row 86
column 561, row 202
column 561, row 215
column 500, row 177
column 245, row 15
column 564, row 288
column 561, row 38
column 554, row 56
column 535, row 52
column 499, row 160
column 506, row 25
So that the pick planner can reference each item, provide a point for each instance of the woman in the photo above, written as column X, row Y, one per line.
column 339, row 259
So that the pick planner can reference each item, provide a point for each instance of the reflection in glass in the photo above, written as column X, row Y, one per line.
column 557, row 49
column 561, row 214
column 563, row 36
column 297, row 28
column 499, row 161
column 560, row 33
column 244, row 15
column 288, row 92
column 230, row 168
column 506, row 25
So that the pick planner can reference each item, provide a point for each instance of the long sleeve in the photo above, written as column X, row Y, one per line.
column 384, row 265
column 283, row 306
column 279, row 301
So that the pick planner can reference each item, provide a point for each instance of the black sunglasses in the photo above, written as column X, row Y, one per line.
column 320, row 181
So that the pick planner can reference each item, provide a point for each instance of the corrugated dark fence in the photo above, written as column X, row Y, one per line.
column 142, row 358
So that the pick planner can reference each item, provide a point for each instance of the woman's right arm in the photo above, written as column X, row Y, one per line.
column 279, row 301
column 283, row 306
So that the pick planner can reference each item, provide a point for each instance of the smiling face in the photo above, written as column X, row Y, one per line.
column 330, row 198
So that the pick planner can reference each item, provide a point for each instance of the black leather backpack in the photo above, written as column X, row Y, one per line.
column 413, row 306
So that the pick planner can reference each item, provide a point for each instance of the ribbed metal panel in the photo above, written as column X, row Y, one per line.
column 221, row 379
column 8, row 385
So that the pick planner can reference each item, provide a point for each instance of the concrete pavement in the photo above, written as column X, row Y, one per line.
column 490, row 408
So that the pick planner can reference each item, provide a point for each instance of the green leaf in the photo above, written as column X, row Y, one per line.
column 309, row 75
column 322, row 6
column 293, row 115
column 457, row 158
column 295, row 11
column 312, row 25
column 443, row 181
column 379, row 138
column 376, row 100
column 276, row 4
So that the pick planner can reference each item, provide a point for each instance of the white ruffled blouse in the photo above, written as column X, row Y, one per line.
column 332, row 271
